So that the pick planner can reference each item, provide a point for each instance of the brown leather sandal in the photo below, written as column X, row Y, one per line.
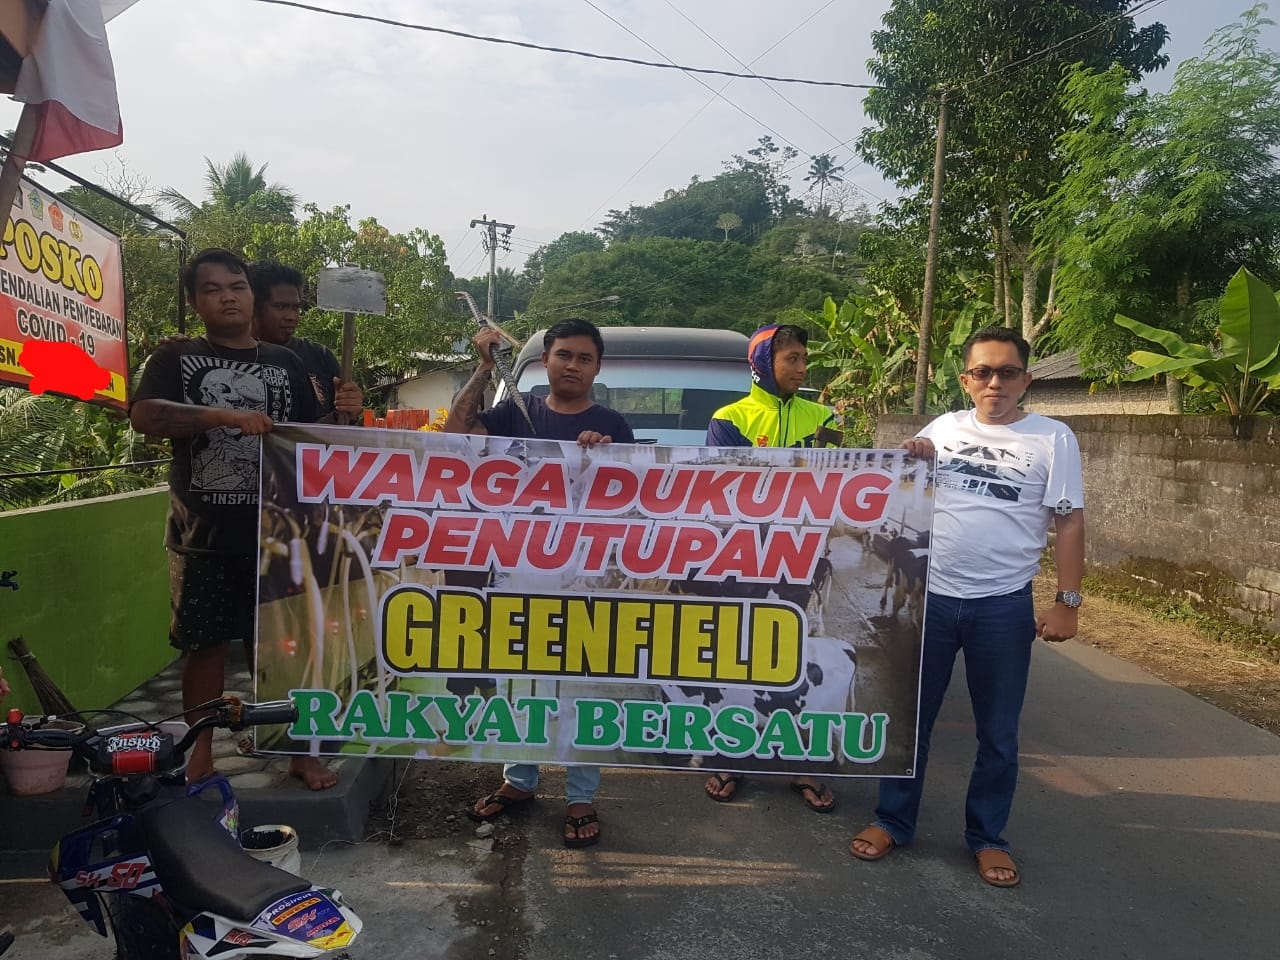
column 881, row 841
column 997, row 859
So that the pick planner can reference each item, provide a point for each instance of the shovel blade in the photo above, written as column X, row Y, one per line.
column 352, row 290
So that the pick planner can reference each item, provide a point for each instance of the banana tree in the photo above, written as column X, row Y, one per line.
column 1243, row 370
column 866, row 349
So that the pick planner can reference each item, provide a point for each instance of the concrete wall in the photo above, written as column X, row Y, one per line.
column 93, row 595
column 431, row 391
column 1178, row 505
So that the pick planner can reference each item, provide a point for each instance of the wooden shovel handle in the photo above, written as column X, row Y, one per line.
column 348, row 344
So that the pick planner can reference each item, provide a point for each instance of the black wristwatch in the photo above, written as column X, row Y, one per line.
column 1072, row 598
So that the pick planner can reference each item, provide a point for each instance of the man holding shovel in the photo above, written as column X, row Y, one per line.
column 277, row 308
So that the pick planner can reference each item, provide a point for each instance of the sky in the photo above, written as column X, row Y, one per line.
column 426, row 130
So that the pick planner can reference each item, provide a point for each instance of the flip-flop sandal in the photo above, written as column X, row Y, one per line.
column 881, row 841
column 505, row 805
column 997, row 859
column 724, row 780
column 578, row 823
column 247, row 747
column 819, row 793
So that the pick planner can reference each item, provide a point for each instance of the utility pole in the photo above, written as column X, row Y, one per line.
column 931, row 261
column 491, row 241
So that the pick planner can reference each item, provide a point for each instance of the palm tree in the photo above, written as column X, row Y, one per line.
column 42, row 433
column 823, row 172
column 233, row 185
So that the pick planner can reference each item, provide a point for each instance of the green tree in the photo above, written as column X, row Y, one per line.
column 660, row 281
column 233, row 185
column 1242, row 371
column 691, row 212
column 728, row 222
column 150, row 254
column 511, row 291
column 1005, row 117
column 547, row 258
column 239, row 199
column 421, row 317
column 1167, row 195
column 43, row 434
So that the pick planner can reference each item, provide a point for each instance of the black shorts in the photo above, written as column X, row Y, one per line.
column 212, row 598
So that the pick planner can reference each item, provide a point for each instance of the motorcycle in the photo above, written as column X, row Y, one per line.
column 162, row 866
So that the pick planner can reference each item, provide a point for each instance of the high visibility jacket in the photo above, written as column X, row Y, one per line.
column 764, row 418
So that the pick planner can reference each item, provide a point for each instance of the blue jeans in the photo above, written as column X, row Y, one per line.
column 996, row 635
column 581, row 783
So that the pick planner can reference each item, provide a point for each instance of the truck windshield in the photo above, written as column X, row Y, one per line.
column 660, row 394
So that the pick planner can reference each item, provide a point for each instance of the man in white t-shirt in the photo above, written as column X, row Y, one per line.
column 1003, row 475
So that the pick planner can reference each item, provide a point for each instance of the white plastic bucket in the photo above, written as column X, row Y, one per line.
column 37, row 770
column 32, row 772
column 273, row 843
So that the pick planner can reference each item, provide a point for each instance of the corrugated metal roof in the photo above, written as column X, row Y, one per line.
column 1060, row 366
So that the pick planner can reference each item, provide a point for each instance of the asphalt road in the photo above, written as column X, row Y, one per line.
column 1147, row 825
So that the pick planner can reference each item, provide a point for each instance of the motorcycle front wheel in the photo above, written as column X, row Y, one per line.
column 144, row 928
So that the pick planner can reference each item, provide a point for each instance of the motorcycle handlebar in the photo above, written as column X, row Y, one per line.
column 276, row 711
column 20, row 734
column 49, row 737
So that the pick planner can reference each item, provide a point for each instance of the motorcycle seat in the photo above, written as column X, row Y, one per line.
column 202, row 866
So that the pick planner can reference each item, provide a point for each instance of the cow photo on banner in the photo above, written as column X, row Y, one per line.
column 488, row 599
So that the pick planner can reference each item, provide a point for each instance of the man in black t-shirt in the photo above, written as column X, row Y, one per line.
column 572, row 352
column 213, row 397
column 277, row 307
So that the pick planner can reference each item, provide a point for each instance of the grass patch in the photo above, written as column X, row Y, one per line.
column 1243, row 637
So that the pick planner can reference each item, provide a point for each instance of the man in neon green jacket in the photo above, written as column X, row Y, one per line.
column 774, row 415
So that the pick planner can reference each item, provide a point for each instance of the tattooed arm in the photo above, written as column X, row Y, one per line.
column 165, row 418
column 464, row 414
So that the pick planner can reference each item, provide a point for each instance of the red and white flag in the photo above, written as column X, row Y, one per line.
column 69, row 77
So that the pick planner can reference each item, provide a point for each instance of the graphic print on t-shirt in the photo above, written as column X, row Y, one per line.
column 985, row 471
column 224, row 462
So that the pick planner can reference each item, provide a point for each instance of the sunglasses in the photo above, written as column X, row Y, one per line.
column 983, row 374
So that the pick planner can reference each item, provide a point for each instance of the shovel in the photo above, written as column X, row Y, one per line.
column 351, row 290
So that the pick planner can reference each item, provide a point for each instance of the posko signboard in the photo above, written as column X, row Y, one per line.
column 483, row 598
column 62, row 321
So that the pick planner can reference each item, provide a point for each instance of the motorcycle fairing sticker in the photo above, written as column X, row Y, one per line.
column 234, row 941
column 321, row 922
column 282, row 910
column 339, row 938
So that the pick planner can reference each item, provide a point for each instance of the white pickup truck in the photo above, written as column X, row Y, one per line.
column 667, row 381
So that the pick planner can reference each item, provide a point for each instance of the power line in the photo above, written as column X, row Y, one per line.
column 697, row 80
column 98, row 469
column 697, row 26
column 470, row 262
column 1142, row 7
column 387, row 21
column 715, row 95
column 785, row 99
column 104, row 193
